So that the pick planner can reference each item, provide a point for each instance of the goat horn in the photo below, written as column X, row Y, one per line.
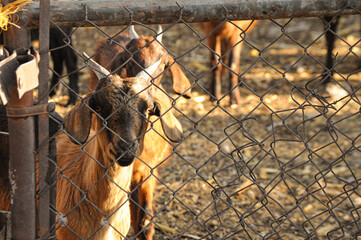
column 133, row 33
column 146, row 73
column 159, row 31
column 98, row 70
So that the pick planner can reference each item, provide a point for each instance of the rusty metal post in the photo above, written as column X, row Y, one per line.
column 22, row 145
column 46, row 219
column 115, row 12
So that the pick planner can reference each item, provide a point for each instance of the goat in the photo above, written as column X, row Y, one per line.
column 157, row 144
column 128, row 128
column 95, row 160
column 158, row 148
column 226, row 39
column 128, row 54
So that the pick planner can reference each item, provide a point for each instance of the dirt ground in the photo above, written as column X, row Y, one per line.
column 281, row 165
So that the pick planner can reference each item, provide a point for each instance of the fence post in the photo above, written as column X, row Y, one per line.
column 46, row 219
column 21, row 144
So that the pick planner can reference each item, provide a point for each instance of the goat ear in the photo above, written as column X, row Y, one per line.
column 180, row 81
column 171, row 126
column 78, row 121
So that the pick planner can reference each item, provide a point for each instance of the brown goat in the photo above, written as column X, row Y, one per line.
column 157, row 149
column 157, row 144
column 95, row 160
column 127, row 55
column 110, row 194
column 226, row 39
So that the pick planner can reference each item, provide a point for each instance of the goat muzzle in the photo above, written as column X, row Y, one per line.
column 125, row 153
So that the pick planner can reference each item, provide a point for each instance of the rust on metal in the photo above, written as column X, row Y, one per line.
column 46, row 195
column 27, row 111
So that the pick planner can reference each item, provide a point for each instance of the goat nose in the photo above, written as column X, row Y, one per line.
column 133, row 147
column 127, row 152
column 129, row 144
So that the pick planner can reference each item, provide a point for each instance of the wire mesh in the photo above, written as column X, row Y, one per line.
column 279, row 162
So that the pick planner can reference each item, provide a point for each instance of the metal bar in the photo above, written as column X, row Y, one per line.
column 107, row 13
column 45, row 216
column 30, row 110
column 21, row 146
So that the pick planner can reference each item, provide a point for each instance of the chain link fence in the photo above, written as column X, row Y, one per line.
column 282, row 163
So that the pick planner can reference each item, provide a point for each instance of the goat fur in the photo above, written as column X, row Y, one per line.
column 107, row 194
